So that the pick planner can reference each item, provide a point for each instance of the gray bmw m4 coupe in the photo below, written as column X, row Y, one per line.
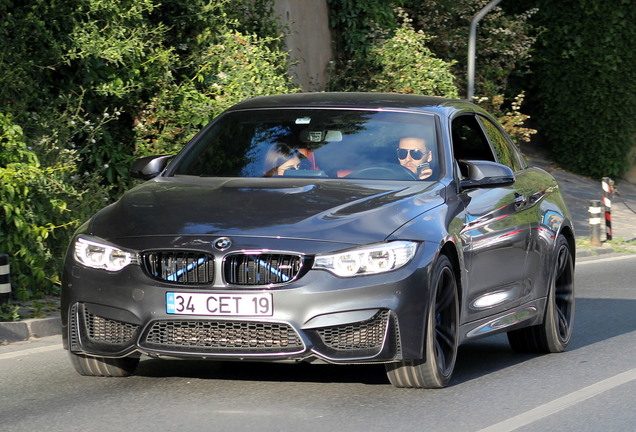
column 335, row 227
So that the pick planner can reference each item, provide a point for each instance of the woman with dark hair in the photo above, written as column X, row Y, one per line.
column 280, row 158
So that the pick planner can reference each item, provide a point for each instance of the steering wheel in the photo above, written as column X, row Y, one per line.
column 385, row 171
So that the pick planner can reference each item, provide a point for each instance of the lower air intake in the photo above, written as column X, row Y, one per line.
column 222, row 337
column 107, row 331
column 365, row 335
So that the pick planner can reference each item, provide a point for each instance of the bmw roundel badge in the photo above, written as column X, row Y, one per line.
column 222, row 243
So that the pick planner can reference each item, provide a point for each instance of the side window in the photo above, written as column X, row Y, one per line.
column 469, row 141
column 506, row 154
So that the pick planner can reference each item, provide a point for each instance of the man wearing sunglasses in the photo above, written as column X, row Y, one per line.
column 414, row 156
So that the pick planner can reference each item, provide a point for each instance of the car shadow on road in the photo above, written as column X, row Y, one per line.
column 596, row 320
column 600, row 319
column 255, row 371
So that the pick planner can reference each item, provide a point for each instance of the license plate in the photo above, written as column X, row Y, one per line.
column 258, row 304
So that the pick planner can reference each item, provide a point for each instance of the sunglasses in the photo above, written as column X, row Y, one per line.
column 415, row 154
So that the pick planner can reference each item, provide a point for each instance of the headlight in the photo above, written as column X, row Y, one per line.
column 368, row 260
column 96, row 253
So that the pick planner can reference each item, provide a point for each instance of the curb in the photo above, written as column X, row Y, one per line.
column 605, row 249
column 30, row 328
column 581, row 253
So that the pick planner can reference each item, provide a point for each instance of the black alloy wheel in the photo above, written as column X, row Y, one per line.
column 554, row 334
column 436, row 367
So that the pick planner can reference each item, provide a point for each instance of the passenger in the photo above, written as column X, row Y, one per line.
column 413, row 155
column 280, row 158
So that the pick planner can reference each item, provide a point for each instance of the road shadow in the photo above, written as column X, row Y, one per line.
column 256, row 371
column 596, row 320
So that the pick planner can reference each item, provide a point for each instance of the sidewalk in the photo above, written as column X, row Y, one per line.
column 577, row 191
column 29, row 328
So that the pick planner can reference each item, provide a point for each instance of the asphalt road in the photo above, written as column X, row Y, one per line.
column 591, row 387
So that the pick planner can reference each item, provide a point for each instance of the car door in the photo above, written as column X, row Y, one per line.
column 496, row 233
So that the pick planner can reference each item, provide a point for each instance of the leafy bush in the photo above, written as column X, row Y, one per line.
column 378, row 55
column 504, row 46
column 404, row 64
column 88, row 85
column 356, row 25
column 232, row 69
column 35, row 213
column 510, row 117
column 9, row 312
column 427, row 53
column 504, row 40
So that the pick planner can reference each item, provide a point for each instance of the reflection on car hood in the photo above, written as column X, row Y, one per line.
column 330, row 210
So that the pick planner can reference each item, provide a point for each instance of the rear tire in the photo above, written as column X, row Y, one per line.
column 103, row 366
column 554, row 334
column 436, row 367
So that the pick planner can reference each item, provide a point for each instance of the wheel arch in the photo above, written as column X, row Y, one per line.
column 568, row 233
column 449, row 249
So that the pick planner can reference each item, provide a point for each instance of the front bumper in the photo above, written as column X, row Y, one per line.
column 375, row 318
column 374, row 339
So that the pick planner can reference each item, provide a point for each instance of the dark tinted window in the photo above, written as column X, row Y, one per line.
column 328, row 143
column 506, row 154
column 469, row 141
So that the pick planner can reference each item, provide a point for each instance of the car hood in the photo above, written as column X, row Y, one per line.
column 354, row 212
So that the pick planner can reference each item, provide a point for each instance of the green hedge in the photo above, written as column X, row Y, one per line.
column 584, row 83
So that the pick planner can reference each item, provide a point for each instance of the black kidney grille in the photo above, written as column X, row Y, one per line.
column 261, row 269
column 188, row 268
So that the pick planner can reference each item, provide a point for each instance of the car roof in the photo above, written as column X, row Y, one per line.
column 355, row 100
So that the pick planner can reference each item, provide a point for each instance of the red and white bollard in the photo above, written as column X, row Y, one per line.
column 608, row 192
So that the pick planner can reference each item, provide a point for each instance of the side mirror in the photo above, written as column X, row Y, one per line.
column 484, row 174
column 149, row 167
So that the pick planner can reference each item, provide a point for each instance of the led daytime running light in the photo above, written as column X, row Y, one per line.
column 103, row 256
column 369, row 260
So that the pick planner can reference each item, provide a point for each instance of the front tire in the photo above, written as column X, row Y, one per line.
column 103, row 366
column 554, row 334
column 436, row 367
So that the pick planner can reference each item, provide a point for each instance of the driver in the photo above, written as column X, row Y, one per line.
column 413, row 155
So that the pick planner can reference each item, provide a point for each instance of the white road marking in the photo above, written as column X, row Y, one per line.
column 562, row 403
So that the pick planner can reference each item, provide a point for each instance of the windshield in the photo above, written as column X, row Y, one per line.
column 328, row 143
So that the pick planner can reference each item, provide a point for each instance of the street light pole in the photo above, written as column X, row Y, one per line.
column 472, row 43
